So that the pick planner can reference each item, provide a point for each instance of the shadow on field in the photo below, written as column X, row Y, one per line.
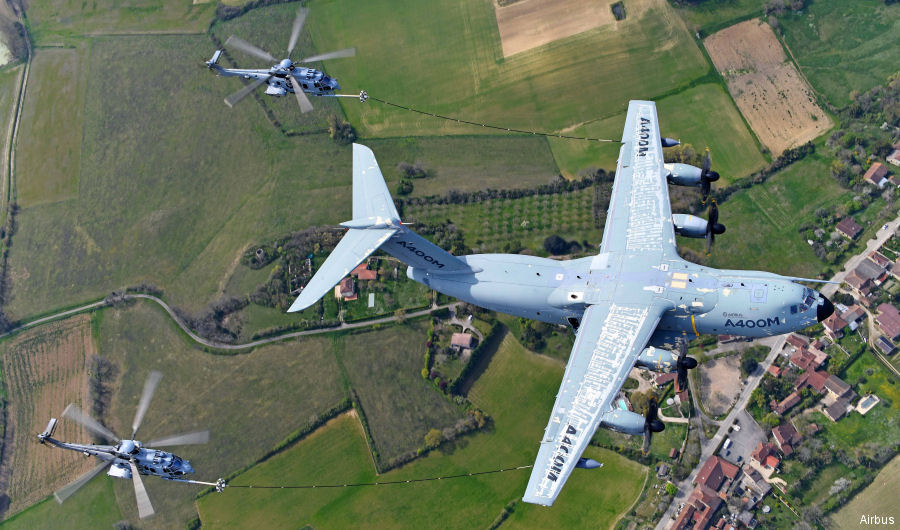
column 493, row 342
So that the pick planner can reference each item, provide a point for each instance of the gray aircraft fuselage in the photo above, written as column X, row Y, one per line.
column 703, row 299
column 148, row 461
column 311, row 80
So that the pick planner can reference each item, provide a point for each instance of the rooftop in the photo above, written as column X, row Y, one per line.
column 876, row 173
column 849, row 227
column 889, row 320
column 837, row 386
column 714, row 472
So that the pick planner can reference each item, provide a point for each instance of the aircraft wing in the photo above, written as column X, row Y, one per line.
column 639, row 220
column 609, row 340
column 354, row 247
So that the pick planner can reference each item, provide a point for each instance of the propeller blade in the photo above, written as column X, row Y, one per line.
column 709, row 242
column 76, row 414
column 145, row 507
column 149, row 389
column 249, row 49
column 348, row 52
column 704, row 190
column 707, row 161
column 298, row 27
column 235, row 98
column 305, row 105
column 69, row 489
column 646, row 447
column 713, row 213
column 188, row 438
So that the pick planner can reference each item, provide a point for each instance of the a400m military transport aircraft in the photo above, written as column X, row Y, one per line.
column 628, row 304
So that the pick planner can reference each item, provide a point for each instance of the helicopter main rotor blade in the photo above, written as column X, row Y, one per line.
column 76, row 414
column 188, row 438
column 305, row 105
column 348, row 52
column 298, row 27
column 69, row 489
column 145, row 507
column 249, row 49
column 235, row 98
column 149, row 389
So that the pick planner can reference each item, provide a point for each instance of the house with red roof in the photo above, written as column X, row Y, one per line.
column 849, row 228
column 764, row 457
column 787, row 403
column 699, row 510
column 363, row 272
column 814, row 379
column 715, row 472
column 834, row 326
column 797, row 341
column 786, row 436
column 877, row 174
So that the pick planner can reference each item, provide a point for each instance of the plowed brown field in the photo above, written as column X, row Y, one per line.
column 44, row 371
column 772, row 95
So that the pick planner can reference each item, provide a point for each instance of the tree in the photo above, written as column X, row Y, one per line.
column 671, row 489
column 433, row 439
column 341, row 131
column 556, row 245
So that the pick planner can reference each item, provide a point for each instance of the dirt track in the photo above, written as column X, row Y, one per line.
column 769, row 91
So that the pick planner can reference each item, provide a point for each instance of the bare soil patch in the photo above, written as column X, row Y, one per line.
column 720, row 383
column 527, row 24
column 44, row 370
column 775, row 99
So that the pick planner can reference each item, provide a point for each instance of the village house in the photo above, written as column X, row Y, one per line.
column 888, row 320
column 861, row 285
column 362, row 272
column 887, row 347
column 894, row 157
column 787, row 403
column 811, row 379
column 849, row 228
column 834, row 326
column 877, row 174
column 786, row 437
column 346, row 289
column 699, row 510
column 798, row 341
column 754, row 488
column 462, row 341
column 808, row 359
column 853, row 316
column 764, row 457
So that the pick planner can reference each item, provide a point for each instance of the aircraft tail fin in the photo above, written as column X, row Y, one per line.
column 376, row 223
column 213, row 64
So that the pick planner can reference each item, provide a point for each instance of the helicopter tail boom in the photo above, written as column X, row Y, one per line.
column 213, row 64
column 48, row 432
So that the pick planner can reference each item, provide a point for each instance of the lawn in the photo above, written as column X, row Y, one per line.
column 93, row 507
column 844, row 46
column 249, row 402
column 452, row 64
column 763, row 220
column 735, row 153
column 517, row 391
column 62, row 21
column 384, row 369
column 48, row 150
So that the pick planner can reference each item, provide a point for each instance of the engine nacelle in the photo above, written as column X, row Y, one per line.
column 689, row 225
column 683, row 174
column 657, row 360
column 623, row 421
column 669, row 142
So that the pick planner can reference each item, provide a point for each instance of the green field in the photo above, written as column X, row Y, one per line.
column 8, row 92
column 712, row 15
column 384, row 368
column 516, row 390
column 62, row 21
column 763, row 220
column 48, row 150
column 844, row 46
column 452, row 64
column 874, row 500
column 735, row 153
column 249, row 402
column 94, row 507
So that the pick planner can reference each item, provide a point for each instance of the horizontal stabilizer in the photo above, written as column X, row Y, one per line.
column 355, row 246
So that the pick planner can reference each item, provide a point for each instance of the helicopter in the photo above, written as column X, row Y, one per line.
column 285, row 76
column 128, row 459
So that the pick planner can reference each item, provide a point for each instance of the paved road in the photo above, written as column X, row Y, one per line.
column 880, row 237
column 221, row 345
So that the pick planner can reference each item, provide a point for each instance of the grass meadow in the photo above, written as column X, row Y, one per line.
column 713, row 15
column 517, row 391
column 384, row 368
column 874, row 500
column 452, row 64
column 683, row 116
column 249, row 402
column 64, row 22
column 48, row 154
column 844, row 46
column 93, row 507
column 762, row 221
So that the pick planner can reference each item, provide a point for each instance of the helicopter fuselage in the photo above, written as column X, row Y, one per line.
column 312, row 81
column 148, row 461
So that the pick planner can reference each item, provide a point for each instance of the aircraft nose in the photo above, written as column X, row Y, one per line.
column 825, row 309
